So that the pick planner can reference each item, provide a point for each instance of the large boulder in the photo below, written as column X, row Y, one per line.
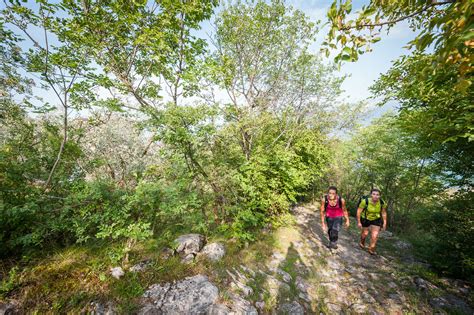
column 189, row 244
column 192, row 295
column 213, row 251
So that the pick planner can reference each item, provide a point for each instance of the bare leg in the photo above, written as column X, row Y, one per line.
column 363, row 236
column 374, row 234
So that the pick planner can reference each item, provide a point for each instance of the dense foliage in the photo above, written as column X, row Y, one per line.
column 118, row 122
column 155, row 129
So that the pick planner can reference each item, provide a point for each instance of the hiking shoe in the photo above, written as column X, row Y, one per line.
column 372, row 251
column 361, row 245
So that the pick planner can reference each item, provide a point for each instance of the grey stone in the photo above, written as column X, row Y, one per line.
column 293, row 308
column 276, row 259
column 189, row 244
column 97, row 308
column 439, row 302
column 117, row 272
column 246, row 290
column 241, row 306
column 302, row 284
column 304, row 296
column 285, row 275
column 402, row 245
column 166, row 253
column 248, row 270
column 367, row 297
column 189, row 258
column 392, row 285
column 192, row 295
column 260, row 305
column 359, row 308
column 451, row 302
column 213, row 251
column 334, row 308
column 141, row 266
column 423, row 284
column 150, row 309
column 274, row 286
column 218, row 309
column 7, row 308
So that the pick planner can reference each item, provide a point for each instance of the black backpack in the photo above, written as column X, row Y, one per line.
column 366, row 198
column 326, row 202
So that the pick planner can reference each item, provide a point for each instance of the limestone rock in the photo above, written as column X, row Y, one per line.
column 189, row 244
column 192, row 295
column 285, row 275
column 117, row 272
column 452, row 303
column 213, row 251
column 260, row 305
column 189, row 258
column 219, row 309
column 166, row 253
column 7, row 308
column 302, row 284
column 275, row 286
column 241, row 306
column 141, row 266
column 423, row 284
column 96, row 308
column 291, row 309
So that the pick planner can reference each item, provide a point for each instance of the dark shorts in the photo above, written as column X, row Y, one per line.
column 367, row 223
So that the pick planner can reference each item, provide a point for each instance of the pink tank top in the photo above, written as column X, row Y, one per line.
column 335, row 211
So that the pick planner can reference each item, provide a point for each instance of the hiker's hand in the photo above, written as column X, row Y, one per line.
column 347, row 224
column 359, row 225
column 384, row 227
column 325, row 228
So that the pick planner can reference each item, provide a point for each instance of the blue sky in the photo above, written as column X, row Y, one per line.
column 370, row 65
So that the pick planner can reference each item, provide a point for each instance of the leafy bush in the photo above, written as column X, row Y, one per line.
column 449, row 230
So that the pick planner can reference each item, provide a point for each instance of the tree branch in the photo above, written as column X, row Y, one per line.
column 346, row 28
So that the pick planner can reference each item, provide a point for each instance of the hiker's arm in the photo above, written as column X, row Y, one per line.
column 384, row 216
column 359, row 211
column 323, row 222
column 344, row 209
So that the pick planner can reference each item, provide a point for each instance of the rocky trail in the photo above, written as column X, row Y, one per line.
column 302, row 276
column 293, row 272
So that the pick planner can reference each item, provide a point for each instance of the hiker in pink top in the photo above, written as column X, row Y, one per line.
column 333, row 209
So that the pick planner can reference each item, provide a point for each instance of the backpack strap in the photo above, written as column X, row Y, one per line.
column 366, row 198
column 339, row 201
column 326, row 202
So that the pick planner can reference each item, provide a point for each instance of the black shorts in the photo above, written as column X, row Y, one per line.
column 367, row 223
